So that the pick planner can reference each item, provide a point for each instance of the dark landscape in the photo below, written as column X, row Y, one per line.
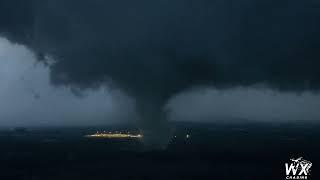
column 244, row 151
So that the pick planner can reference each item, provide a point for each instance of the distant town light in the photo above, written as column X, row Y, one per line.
column 114, row 135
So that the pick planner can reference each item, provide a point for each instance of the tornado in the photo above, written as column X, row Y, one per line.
column 153, row 50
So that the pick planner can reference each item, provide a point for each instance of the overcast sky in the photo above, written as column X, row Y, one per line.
column 28, row 99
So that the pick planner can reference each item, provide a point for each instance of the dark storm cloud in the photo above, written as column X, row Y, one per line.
column 155, row 49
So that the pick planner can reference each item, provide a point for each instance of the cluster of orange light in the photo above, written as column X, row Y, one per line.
column 115, row 135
